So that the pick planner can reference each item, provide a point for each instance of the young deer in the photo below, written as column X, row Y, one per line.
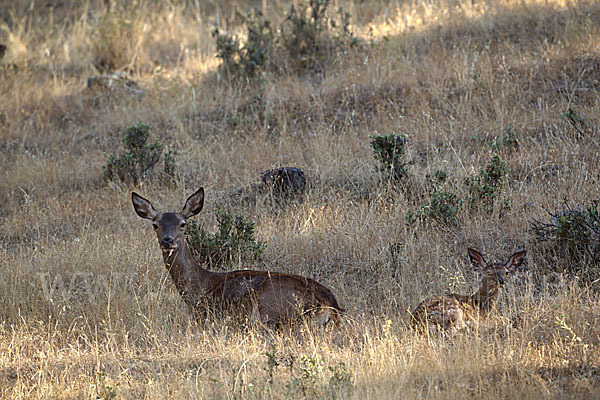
column 454, row 312
column 272, row 297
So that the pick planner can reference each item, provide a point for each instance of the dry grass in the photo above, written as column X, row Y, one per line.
column 86, row 306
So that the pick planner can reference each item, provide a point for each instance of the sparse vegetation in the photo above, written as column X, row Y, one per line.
column 500, row 94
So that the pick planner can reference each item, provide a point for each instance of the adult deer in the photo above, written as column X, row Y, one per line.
column 454, row 312
column 272, row 297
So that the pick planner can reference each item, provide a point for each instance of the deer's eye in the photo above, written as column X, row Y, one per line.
column 155, row 226
column 183, row 224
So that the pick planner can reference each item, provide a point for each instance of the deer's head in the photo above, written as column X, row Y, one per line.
column 169, row 226
column 496, row 272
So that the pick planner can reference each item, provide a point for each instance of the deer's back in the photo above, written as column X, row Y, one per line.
column 449, row 312
column 275, row 294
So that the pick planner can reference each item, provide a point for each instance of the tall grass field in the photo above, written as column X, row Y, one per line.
column 423, row 128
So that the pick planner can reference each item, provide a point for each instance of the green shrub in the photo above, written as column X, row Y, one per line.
column 575, row 236
column 310, row 38
column 111, row 52
column 308, row 377
column 307, row 39
column 438, row 176
column 510, row 139
column 169, row 162
column 487, row 187
column 574, row 119
column 443, row 207
column 233, row 242
column 388, row 151
column 139, row 160
column 252, row 56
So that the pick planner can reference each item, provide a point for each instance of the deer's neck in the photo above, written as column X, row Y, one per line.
column 192, row 281
column 485, row 298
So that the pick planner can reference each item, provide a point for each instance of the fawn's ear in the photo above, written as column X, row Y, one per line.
column 516, row 259
column 477, row 258
column 193, row 204
column 142, row 207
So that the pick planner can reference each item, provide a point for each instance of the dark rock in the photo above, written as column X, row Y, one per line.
column 284, row 180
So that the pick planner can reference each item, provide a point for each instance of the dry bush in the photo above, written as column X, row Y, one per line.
column 87, row 308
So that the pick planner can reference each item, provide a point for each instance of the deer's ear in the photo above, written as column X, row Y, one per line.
column 194, row 204
column 516, row 259
column 142, row 207
column 476, row 258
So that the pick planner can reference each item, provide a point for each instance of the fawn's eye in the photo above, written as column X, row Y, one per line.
column 155, row 226
column 183, row 224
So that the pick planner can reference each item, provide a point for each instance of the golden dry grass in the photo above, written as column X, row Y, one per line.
column 86, row 306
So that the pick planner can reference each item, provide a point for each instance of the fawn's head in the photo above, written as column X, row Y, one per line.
column 169, row 226
column 496, row 272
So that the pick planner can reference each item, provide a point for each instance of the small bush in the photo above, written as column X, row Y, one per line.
column 487, row 187
column 169, row 162
column 252, row 56
column 310, row 38
column 574, row 119
column 439, row 176
column 111, row 51
column 575, row 236
column 388, row 151
column 510, row 140
column 233, row 242
column 308, row 377
column 307, row 39
column 140, row 158
column 442, row 208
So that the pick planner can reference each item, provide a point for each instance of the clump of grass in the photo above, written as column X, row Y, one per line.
column 140, row 158
column 388, row 151
column 574, row 233
column 234, row 241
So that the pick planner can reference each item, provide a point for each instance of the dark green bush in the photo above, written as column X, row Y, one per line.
column 574, row 235
column 252, row 56
column 388, row 151
column 307, row 39
column 139, row 159
column 310, row 38
column 233, row 242
column 509, row 140
column 443, row 207
column 574, row 119
column 486, row 187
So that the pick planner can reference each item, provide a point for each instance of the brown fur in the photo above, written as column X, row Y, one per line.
column 272, row 297
column 455, row 312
